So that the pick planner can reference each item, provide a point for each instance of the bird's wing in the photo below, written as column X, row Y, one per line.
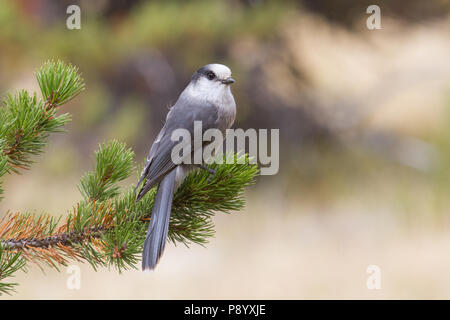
column 150, row 156
column 181, row 115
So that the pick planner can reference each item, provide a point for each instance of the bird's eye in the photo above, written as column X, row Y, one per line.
column 210, row 75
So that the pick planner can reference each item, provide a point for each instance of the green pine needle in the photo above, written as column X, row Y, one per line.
column 59, row 82
column 9, row 264
column 114, row 162
column 3, row 168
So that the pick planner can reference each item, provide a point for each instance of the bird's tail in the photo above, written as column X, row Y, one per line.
column 159, row 222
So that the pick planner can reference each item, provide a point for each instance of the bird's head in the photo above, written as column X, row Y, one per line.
column 211, row 83
column 213, row 76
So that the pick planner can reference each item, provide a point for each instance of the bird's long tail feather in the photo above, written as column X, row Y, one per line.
column 159, row 222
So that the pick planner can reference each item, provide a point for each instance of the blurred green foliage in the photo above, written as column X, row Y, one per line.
column 189, row 34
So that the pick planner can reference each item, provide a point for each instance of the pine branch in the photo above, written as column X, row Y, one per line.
column 26, row 121
column 25, row 124
column 107, row 227
column 59, row 83
column 10, row 262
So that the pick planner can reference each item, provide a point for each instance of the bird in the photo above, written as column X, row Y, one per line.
column 207, row 98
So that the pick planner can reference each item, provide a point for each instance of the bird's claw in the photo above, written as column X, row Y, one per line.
column 212, row 172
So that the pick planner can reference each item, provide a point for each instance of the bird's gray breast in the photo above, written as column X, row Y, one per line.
column 226, row 112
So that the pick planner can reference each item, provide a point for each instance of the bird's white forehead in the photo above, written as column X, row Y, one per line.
column 220, row 70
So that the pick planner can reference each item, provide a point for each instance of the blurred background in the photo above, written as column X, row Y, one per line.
column 363, row 115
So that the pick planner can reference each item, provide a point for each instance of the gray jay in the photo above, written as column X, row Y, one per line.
column 207, row 98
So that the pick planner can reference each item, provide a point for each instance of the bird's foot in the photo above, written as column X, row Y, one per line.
column 212, row 172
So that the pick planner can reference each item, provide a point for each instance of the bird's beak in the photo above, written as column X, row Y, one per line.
column 228, row 80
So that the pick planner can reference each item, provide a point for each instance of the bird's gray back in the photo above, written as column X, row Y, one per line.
column 181, row 116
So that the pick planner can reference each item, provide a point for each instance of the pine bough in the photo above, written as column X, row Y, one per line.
column 106, row 228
